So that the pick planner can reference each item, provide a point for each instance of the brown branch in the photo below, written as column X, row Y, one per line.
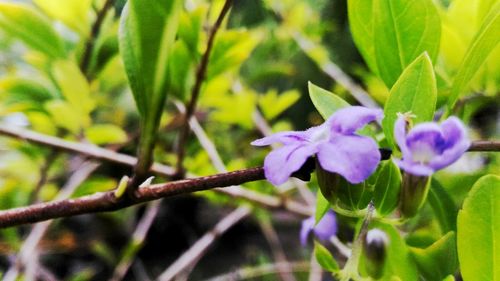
column 195, row 92
column 106, row 201
column 98, row 153
column 485, row 145
column 94, row 32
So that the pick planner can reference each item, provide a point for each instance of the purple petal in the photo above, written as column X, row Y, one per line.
column 307, row 227
column 326, row 227
column 400, row 136
column 282, row 162
column 348, row 120
column 428, row 135
column 285, row 138
column 414, row 168
column 457, row 142
column 353, row 157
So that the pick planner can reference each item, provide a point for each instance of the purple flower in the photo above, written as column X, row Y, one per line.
column 337, row 147
column 429, row 147
column 326, row 228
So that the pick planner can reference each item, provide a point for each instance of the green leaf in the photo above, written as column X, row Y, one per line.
column 273, row 104
column 483, row 44
column 325, row 258
column 443, row 206
column 105, row 134
column 32, row 28
column 181, row 70
column 27, row 92
column 360, row 14
column 392, row 33
column 230, row 50
column 73, row 84
column 402, row 31
column 67, row 116
column 73, row 13
column 146, row 36
column 399, row 265
column 438, row 260
column 414, row 91
column 387, row 188
column 478, row 231
column 325, row 102
column 322, row 206
column 190, row 28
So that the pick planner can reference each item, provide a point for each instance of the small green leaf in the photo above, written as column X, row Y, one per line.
column 482, row 45
column 230, row 50
column 325, row 102
column 73, row 84
column 105, row 134
column 322, row 206
column 414, row 91
column 25, row 91
column 439, row 259
column 478, row 231
column 67, row 116
column 325, row 258
column 190, row 28
column 30, row 26
column 273, row 104
column 443, row 206
column 73, row 13
column 387, row 188
column 402, row 31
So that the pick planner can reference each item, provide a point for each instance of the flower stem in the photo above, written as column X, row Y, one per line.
column 350, row 270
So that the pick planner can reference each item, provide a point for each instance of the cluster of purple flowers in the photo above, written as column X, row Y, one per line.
column 425, row 148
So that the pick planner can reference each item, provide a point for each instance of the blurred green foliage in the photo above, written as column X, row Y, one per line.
column 263, row 57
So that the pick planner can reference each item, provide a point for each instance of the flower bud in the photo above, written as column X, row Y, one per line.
column 375, row 252
column 413, row 194
column 328, row 183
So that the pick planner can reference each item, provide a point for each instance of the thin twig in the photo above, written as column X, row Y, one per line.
column 332, row 70
column 485, row 145
column 195, row 92
column 98, row 153
column 261, row 270
column 277, row 250
column 44, row 174
column 199, row 248
column 27, row 253
column 137, row 241
column 94, row 33
column 316, row 271
column 88, row 150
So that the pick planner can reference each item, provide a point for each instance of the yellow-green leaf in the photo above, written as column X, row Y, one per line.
column 105, row 134
column 73, row 13
column 31, row 27
column 73, row 84
column 485, row 41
